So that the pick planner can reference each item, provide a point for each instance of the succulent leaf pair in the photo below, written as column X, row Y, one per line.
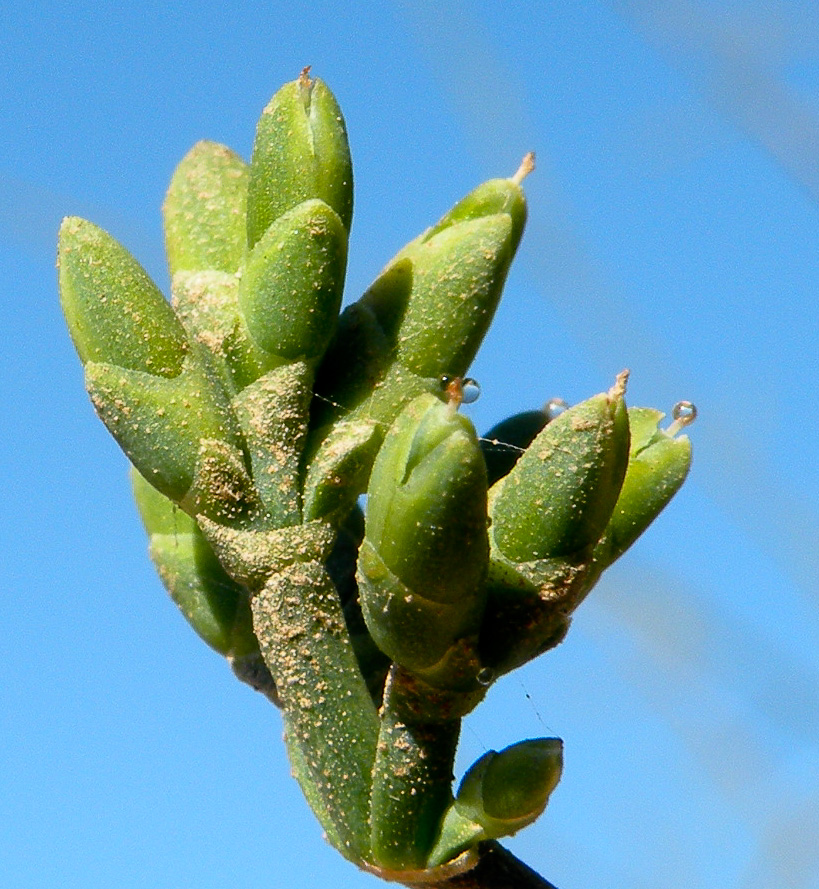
column 423, row 560
column 255, row 416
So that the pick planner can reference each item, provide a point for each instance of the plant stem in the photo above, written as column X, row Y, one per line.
column 412, row 779
column 497, row 868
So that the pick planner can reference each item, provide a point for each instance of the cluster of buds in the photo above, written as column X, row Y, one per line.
column 255, row 414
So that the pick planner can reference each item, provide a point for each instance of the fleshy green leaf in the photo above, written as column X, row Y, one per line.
column 301, row 152
column 205, row 209
column 291, row 287
column 115, row 313
column 658, row 465
column 159, row 422
column 561, row 493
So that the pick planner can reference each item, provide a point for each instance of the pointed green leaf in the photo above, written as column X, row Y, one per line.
column 658, row 465
column 115, row 313
column 273, row 413
column 291, row 287
column 207, row 303
column 428, row 311
column 301, row 152
column 158, row 422
column 339, row 471
column 561, row 493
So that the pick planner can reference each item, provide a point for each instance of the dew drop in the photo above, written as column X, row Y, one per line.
column 554, row 407
column 471, row 390
column 485, row 676
column 685, row 411
column 683, row 414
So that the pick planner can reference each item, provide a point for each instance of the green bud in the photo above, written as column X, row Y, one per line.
column 158, row 422
column 500, row 794
column 457, row 279
column 300, row 152
column 506, row 791
column 454, row 280
column 657, row 466
column 426, row 511
column 115, row 313
column 205, row 210
column 561, row 493
column 423, row 560
column 434, row 302
column 291, row 287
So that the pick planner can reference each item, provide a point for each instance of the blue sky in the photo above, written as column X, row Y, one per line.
column 674, row 230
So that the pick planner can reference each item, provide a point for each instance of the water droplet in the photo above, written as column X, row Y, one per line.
column 471, row 390
column 554, row 407
column 485, row 676
column 683, row 413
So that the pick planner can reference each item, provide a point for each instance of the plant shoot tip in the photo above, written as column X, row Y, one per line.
column 525, row 168
column 618, row 390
